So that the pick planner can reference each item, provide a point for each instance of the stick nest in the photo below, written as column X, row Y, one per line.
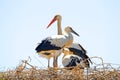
column 26, row 71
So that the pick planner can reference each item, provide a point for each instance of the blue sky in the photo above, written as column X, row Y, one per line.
column 23, row 25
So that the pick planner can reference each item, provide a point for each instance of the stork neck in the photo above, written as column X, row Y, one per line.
column 68, row 35
column 59, row 27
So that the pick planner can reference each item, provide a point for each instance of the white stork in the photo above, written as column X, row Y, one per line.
column 53, row 45
column 74, row 53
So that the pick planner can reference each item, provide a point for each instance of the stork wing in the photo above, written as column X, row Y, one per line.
column 52, row 43
column 80, row 53
column 79, row 47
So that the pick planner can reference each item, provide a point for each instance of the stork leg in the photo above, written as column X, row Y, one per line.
column 48, row 63
column 55, row 61
column 55, row 58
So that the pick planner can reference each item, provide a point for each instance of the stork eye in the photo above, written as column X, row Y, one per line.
column 56, row 16
column 70, row 28
column 78, row 61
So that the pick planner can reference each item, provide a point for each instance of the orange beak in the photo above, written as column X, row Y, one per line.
column 52, row 21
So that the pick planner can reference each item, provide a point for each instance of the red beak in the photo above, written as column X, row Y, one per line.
column 52, row 21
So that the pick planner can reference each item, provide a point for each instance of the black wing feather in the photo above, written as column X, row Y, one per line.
column 46, row 45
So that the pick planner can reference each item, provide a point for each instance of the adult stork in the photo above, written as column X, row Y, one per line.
column 54, row 45
column 73, row 55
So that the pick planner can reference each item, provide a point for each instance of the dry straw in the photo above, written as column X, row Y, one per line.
column 26, row 71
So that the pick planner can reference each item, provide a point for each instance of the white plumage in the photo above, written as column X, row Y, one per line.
column 71, row 60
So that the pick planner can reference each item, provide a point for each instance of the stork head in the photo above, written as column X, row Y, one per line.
column 56, row 18
column 69, row 29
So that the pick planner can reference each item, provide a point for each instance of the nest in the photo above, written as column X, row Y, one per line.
column 26, row 71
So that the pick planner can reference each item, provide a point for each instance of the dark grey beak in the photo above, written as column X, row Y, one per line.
column 75, row 32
